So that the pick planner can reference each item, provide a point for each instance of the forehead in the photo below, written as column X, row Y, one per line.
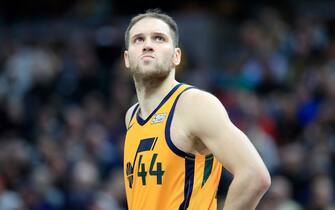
column 149, row 25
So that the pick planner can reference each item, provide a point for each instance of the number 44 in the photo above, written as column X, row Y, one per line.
column 143, row 173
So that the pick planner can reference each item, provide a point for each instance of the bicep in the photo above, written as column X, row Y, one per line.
column 228, row 143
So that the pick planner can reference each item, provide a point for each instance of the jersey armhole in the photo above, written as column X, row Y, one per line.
column 169, row 142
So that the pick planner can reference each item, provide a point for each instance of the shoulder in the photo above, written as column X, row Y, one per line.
column 199, row 109
column 129, row 114
column 195, row 93
column 198, row 101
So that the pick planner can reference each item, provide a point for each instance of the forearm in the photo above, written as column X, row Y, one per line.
column 245, row 192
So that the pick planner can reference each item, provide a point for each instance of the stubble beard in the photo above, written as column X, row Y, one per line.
column 154, row 72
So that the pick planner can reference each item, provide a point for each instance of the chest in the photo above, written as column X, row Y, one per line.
column 148, row 160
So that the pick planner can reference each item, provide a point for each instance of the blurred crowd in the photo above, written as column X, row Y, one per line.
column 64, row 91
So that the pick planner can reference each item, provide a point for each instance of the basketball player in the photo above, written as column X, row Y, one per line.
column 179, row 137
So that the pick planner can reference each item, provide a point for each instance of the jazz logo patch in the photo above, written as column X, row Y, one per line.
column 158, row 118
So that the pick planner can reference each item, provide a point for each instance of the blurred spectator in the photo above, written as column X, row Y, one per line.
column 9, row 200
column 322, row 194
column 279, row 196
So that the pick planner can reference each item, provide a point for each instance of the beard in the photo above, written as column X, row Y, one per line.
column 154, row 70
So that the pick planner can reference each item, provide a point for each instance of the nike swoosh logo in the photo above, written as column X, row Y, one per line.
column 130, row 127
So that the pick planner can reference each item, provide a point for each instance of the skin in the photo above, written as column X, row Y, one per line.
column 152, row 58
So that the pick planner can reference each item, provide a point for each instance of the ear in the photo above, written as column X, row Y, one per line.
column 177, row 56
column 126, row 58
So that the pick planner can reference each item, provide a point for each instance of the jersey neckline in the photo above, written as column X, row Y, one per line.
column 142, row 121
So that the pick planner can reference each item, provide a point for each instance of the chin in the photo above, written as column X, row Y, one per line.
column 153, row 74
column 150, row 71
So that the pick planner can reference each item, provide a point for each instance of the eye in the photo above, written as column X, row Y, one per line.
column 159, row 38
column 138, row 39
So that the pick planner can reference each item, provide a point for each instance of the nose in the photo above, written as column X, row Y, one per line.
column 147, row 47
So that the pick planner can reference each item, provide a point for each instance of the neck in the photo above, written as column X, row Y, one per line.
column 150, row 92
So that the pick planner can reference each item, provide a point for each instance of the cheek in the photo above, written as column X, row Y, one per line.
column 134, row 49
column 168, row 53
column 131, row 56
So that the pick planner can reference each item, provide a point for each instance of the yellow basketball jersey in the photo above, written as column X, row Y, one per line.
column 158, row 175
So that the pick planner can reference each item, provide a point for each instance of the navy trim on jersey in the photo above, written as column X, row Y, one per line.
column 168, row 134
column 188, row 185
column 138, row 117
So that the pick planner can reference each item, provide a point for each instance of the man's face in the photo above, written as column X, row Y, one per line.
column 151, row 51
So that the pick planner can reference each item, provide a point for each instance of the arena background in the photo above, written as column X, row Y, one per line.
column 64, row 92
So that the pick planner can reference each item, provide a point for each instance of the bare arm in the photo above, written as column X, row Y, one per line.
column 206, row 118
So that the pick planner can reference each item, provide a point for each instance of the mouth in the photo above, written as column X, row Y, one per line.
column 147, row 57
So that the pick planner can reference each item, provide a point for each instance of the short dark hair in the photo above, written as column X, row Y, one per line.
column 154, row 13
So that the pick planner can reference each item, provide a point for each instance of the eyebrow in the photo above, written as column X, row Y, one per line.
column 154, row 33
